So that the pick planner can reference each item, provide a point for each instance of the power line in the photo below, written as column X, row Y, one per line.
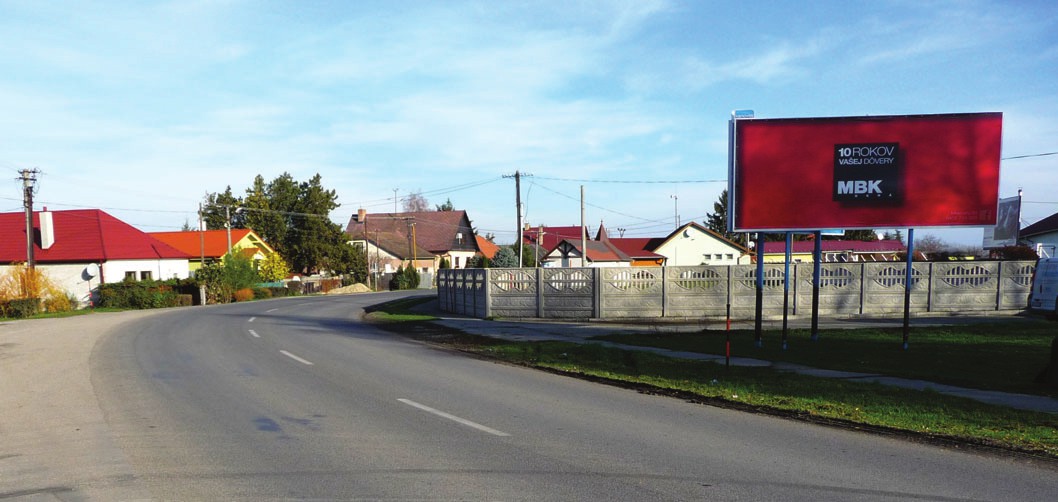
column 1030, row 155
column 632, row 181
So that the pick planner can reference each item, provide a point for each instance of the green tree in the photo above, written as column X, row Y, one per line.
column 717, row 220
column 447, row 206
column 859, row 235
column 217, row 207
column 291, row 217
column 273, row 268
column 505, row 258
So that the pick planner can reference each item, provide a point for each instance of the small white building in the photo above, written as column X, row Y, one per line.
column 1042, row 236
column 80, row 249
column 693, row 245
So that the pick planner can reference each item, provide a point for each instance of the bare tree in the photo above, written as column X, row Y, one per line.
column 930, row 244
column 416, row 203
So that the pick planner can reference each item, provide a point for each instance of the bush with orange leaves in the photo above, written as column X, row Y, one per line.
column 243, row 295
column 23, row 283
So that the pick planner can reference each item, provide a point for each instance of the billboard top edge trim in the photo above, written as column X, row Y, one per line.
column 868, row 118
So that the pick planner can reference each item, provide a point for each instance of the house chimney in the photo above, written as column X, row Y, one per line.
column 361, row 215
column 47, row 229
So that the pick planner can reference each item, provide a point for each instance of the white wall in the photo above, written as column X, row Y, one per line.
column 1045, row 244
column 69, row 278
column 161, row 270
column 691, row 248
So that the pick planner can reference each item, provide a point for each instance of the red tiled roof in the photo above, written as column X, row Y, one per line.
column 190, row 242
column 82, row 236
column 638, row 247
column 886, row 246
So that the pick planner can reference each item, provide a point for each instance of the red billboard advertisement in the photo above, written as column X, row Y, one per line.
column 905, row 171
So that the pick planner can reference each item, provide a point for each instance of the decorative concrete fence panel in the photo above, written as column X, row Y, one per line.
column 840, row 288
column 512, row 292
column 568, row 292
column 464, row 291
column 703, row 292
column 632, row 292
column 696, row 291
column 884, row 287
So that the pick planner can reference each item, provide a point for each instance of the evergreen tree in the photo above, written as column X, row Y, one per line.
column 505, row 258
column 717, row 220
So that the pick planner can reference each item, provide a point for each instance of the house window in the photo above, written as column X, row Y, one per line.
column 130, row 276
column 718, row 256
column 145, row 275
column 457, row 262
column 729, row 256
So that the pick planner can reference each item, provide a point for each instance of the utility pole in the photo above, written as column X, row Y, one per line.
column 676, row 209
column 518, row 204
column 227, row 214
column 29, row 177
column 583, row 232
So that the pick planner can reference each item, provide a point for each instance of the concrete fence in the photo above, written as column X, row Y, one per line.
column 705, row 292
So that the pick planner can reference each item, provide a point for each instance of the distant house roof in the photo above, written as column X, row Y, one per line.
column 1044, row 226
column 638, row 247
column 82, row 236
column 551, row 235
column 488, row 248
column 191, row 242
column 885, row 246
column 436, row 231
column 701, row 228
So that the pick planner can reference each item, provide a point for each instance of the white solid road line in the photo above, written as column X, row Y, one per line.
column 272, row 310
column 254, row 334
column 296, row 358
column 454, row 418
column 251, row 319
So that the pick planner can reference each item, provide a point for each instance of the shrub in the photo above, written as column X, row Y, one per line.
column 262, row 293
column 243, row 295
column 185, row 300
column 278, row 292
column 21, row 282
column 21, row 308
column 137, row 295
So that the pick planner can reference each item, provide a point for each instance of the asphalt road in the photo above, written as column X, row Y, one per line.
column 297, row 399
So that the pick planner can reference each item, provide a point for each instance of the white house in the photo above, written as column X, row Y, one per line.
column 79, row 249
column 1042, row 236
column 694, row 245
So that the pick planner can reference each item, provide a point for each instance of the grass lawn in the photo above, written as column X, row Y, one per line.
column 1004, row 356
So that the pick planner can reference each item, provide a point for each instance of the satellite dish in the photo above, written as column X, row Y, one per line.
column 92, row 270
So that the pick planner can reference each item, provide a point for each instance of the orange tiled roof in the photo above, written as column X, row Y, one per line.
column 191, row 242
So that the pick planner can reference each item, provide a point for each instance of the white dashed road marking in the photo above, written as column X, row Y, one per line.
column 454, row 418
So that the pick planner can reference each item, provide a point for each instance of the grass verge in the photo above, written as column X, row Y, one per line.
column 922, row 415
column 1004, row 356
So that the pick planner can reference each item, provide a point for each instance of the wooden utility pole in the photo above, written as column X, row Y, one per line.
column 29, row 177
column 518, row 206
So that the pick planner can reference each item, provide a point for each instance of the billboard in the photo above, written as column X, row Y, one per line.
column 864, row 172
column 1008, row 221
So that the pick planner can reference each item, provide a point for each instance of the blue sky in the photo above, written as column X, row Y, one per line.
column 141, row 108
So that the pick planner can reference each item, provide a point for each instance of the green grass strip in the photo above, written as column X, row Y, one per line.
column 1005, row 356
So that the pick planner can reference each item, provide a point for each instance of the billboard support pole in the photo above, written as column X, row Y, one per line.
column 817, row 257
column 759, row 312
column 907, row 284
column 786, row 289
